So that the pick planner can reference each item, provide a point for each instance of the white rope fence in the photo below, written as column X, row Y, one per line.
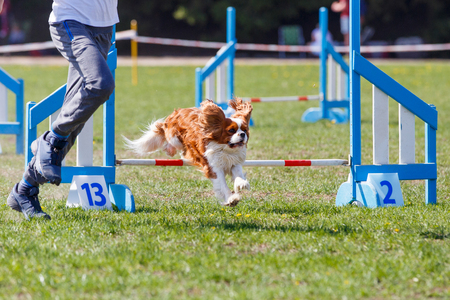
column 289, row 48
column 132, row 35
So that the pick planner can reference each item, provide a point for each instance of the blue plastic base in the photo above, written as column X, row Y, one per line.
column 121, row 196
column 366, row 194
column 314, row 114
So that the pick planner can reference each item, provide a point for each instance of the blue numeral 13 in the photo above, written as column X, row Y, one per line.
column 98, row 193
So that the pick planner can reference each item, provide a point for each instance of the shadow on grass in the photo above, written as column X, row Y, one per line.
column 283, row 228
column 272, row 218
column 233, row 225
column 301, row 210
column 435, row 235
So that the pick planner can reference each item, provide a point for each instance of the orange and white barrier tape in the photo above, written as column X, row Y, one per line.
column 132, row 34
column 26, row 47
column 122, row 35
column 289, row 48
column 178, row 42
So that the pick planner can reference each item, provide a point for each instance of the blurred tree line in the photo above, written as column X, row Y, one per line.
column 257, row 20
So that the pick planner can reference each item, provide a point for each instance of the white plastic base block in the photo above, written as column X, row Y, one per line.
column 73, row 200
column 89, row 192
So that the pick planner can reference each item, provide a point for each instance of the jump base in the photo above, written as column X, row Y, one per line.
column 366, row 195
column 120, row 195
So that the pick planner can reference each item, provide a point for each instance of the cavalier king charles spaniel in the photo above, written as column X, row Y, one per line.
column 209, row 140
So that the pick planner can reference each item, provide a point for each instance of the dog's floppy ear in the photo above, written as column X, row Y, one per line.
column 243, row 109
column 212, row 119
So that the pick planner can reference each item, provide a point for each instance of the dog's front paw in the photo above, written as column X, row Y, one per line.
column 233, row 200
column 241, row 184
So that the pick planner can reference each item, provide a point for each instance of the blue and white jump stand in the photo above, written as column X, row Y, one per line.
column 7, row 82
column 331, row 99
column 333, row 93
column 119, row 194
column 360, row 187
column 225, row 75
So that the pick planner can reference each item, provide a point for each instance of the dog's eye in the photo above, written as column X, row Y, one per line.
column 232, row 131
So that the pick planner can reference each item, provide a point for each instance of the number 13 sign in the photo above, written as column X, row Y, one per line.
column 92, row 193
column 388, row 188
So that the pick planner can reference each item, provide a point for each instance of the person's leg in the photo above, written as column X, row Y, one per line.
column 90, row 79
column 89, row 84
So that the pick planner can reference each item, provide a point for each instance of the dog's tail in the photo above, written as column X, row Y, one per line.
column 152, row 139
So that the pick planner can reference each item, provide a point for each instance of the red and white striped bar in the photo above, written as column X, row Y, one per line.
column 281, row 99
column 248, row 163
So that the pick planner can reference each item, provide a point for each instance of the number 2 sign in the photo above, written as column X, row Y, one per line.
column 92, row 192
column 388, row 188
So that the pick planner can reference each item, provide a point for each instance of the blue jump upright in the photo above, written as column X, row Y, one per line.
column 119, row 194
column 360, row 187
column 227, row 52
column 17, row 87
column 330, row 108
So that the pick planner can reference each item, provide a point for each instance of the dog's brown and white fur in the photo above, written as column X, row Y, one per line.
column 204, row 136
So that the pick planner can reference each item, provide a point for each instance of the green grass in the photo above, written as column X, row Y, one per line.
column 285, row 240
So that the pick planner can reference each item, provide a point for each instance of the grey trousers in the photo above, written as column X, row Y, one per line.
column 89, row 80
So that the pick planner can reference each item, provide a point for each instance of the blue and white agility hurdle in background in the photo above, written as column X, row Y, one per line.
column 7, row 82
column 374, row 185
column 225, row 76
column 333, row 91
column 119, row 194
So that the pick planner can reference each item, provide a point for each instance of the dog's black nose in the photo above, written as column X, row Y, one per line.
column 242, row 135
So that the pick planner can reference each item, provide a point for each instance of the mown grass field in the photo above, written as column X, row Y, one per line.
column 285, row 240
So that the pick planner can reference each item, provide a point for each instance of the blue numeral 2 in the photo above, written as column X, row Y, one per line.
column 387, row 199
column 98, row 193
